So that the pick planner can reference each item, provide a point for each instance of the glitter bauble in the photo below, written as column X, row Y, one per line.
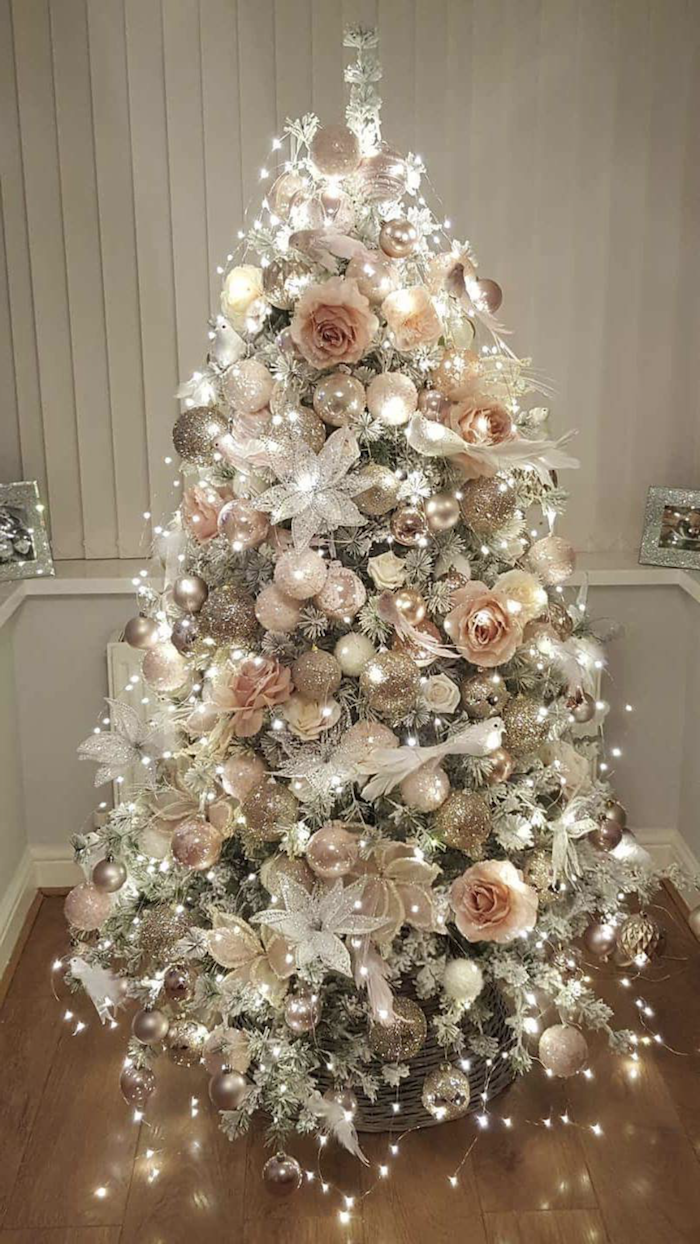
column 281, row 1175
column 196, row 844
column 332, row 851
column 538, row 871
column 383, row 176
column 178, row 983
column 189, row 592
column 299, row 426
column 137, row 1084
column 316, row 674
column 606, row 836
column 553, row 560
column 382, row 491
column 376, row 275
column 248, row 386
column 390, row 683
column 228, row 1090
column 501, row 766
column 302, row 1012
column 392, row 398
column 240, row 773
column 433, row 404
column 185, row 1042
column 164, row 668
column 614, row 811
column 335, row 150
column 362, row 739
column 398, row 238
column 283, row 192
column 160, row 928
column 277, row 612
column 487, row 504
column 600, row 939
column 442, row 511
column 403, row 1039
column 149, row 1026
column 228, row 616
column 483, row 695
column 560, row 620
column 141, row 632
column 581, row 707
column 411, row 605
column 342, row 595
column 456, row 374
column 463, row 822
column 109, row 875
column 284, row 280
column 352, row 652
column 640, row 937
column 445, row 1093
column 339, row 399
column 196, row 432
column 269, row 811
column 87, row 907
column 300, row 574
column 409, row 526
column 242, row 525
column 526, row 724
column 343, row 1097
column 426, row 789
column 421, row 655
column 184, row 634
column 563, row 1050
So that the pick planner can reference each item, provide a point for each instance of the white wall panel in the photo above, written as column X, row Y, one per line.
column 560, row 136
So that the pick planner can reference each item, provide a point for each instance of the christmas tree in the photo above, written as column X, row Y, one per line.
column 369, row 826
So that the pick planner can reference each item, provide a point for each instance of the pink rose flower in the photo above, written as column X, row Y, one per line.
column 250, row 688
column 333, row 323
column 479, row 425
column 200, row 510
column 492, row 903
column 481, row 626
column 412, row 318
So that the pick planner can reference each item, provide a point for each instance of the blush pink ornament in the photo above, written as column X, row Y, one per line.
column 196, row 844
column 563, row 1050
column 412, row 319
column 87, row 907
column 300, row 574
column 136, row 1085
column 335, row 150
column 339, row 398
column 277, row 612
column 481, row 627
column 333, row 323
column 249, row 689
column 248, row 386
column 200, row 509
column 376, row 275
column 342, row 595
column 426, row 789
column 553, row 560
column 242, row 525
column 202, row 719
column 492, row 903
column 240, row 773
column 164, row 669
column 363, row 738
column 332, row 851
column 481, row 426
column 392, row 398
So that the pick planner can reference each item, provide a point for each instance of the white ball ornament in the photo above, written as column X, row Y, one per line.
column 463, row 980
column 301, row 574
column 352, row 653
column 392, row 398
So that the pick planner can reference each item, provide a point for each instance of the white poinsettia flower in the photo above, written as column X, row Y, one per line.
column 129, row 741
column 316, row 922
column 315, row 490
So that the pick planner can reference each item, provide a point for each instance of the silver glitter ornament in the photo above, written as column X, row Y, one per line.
column 446, row 1093
column 402, row 1040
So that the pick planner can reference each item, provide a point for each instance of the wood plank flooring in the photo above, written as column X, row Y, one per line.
column 75, row 1168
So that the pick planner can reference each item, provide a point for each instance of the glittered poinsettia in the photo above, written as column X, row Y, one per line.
column 264, row 961
column 315, row 490
column 129, row 741
column 316, row 922
column 397, row 885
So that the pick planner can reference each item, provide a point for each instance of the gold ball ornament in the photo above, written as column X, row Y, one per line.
column 159, row 929
column 299, row 425
column 398, row 238
column 487, row 504
column 402, row 1040
column 464, row 822
column 539, row 873
column 382, row 491
column 196, row 432
column 335, row 150
column 446, row 1093
column 390, row 683
column 421, row 655
column 383, row 177
column 410, row 605
column 228, row 616
column 501, row 767
column 339, row 399
column 442, row 511
column 185, row 1042
column 269, row 811
column 563, row 1050
column 640, row 937
column 316, row 674
column 553, row 560
column 483, row 695
column 282, row 1175
column 409, row 526
column 526, row 724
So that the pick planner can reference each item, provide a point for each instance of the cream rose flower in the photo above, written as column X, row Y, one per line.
column 440, row 694
column 387, row 572
column 243, row 286
column 308, row 719
column 481, row 626
column 492, row 903
column 524, row 594
column 333, row 323
column 481, row 425
column 412, row 318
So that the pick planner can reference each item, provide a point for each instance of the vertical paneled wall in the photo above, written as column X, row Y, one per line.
column 560, row 136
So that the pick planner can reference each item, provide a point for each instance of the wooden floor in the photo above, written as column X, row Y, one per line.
column 76, row 1169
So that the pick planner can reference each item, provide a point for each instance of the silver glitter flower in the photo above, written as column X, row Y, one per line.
column 316, row 922
column 315, row 490
column 129, row 741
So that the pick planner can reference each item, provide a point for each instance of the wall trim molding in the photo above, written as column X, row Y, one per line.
column 15, row 905
column 667, row 847
column 54, row 866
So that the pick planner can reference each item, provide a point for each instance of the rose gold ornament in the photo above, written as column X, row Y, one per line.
column 332, row 851
column 269, row 810
column 364, row 737
column 277, row 612
column 299, row 425
column 383, row 177
column 614, row 811
column 137, row 1084
column 398, row 238
column 281, row 1175
column 422, row 656
column 606, row 836
column 442, row 511
column 392, row 398
column 228, row 1090
column 382, row 491
column 196, row 844
column 563, row 1050
column 342, row 595
column 241, row 773
column 316, row 674
column 248, row 386
column 300, row 574
column 600, row 939
column 178, row 983
column 339, row 399
column 390, row 683
column 184, row 634
column 409, row 526
column 242, row 525
column 109, row 875
column 464, row 822
column 456, row 374
column 376, row 275
column 228, row 616
column 426, row 789
column 553, row 560
column 410, row 605
column 302, row 1011
column 335, row 150
column 189, row 592
column 487, row 504
column 488, row 295
column 502, row 766
column 150, row 1026
column 284, row 280
column 163, row 668
column 483, row 695
column 581, row 707
column 87, row 907
column 196, row 432
column 141, row 632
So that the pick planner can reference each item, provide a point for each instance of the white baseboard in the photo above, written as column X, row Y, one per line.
column 666, row 847
column 14, row 905
column 54, row 867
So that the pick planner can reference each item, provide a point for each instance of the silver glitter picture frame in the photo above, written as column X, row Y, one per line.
column 671, row 534
column 25, row 551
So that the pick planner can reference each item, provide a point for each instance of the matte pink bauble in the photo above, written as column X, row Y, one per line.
column 277, row 612
column 376, row 275
column 87, row 907
column 342, row 595
column 227, row 1090
column 300, row 574
column 241, row 773
column 242, row 525
column 141, row 632
column 339, row 398
column 248, row 386
column 563, row 1050
column 332, row 851
column 335, row 150
column 281, row 1175
column 163, row 668
column 137, row 1084
column 426, row 789
column 196, row 844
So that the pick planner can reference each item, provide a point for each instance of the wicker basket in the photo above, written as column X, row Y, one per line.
column 379, row 1115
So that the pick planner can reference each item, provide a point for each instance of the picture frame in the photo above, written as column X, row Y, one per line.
column 671, row 534
column 25, row 551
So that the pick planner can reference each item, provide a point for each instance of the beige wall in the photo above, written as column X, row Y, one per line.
column 560, row 134
column 12, row 825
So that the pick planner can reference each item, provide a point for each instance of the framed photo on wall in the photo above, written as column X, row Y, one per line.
column 672, row 528
column 25, row 552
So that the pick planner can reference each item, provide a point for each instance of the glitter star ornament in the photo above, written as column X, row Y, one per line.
column 316, row 922
column 315, row 490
